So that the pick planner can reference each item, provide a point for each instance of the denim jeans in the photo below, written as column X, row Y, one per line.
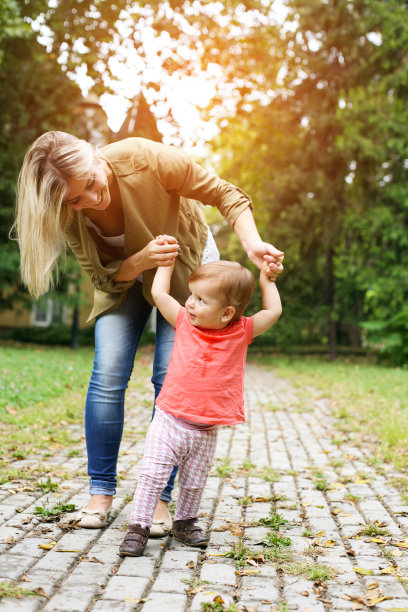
column 117, row 336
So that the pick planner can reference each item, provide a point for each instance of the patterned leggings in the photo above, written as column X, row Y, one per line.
column 170, row 443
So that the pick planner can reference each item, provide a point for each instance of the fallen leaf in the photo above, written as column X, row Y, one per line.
column 40, row 591
column 363, row 571
column 68, row 550
column 376, row 600
column 248, row 572
column 135, row 601
column 48, row 546
column 190, row 564
column 376, row 540
column 304, row 593
column 388, row 570
column 94, row 560
column 194, row 590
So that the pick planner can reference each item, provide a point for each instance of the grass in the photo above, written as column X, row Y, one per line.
column 42, row 393
column 239, row 553
column 9, row 589
column 376, row 529
column 56, row 510
column 42, row 396
column 275, row 521
column 311, row 571
column 47, row 486
column 274, row 540
column 362, row 393
column 224, row 468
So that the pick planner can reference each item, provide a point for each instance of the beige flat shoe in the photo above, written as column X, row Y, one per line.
column 92, row 519
column 160, row 529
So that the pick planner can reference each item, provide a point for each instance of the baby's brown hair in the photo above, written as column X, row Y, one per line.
column 235, row 283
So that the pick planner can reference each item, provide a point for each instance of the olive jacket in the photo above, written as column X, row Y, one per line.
column 159, row 187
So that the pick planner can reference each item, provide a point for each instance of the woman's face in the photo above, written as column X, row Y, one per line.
column 91, row 191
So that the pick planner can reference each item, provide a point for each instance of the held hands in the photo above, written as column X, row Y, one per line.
column 267, row 258
column 161, row 251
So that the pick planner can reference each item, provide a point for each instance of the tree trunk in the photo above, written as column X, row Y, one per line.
column 332, row 327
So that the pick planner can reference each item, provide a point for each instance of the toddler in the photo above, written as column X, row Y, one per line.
column 203, row 388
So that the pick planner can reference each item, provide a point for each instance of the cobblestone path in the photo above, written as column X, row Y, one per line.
column 312, row 524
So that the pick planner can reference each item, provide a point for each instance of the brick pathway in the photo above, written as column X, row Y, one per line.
column 342, row 514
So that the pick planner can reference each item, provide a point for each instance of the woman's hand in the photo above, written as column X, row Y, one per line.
column 161, row 251
column 260, row 252
column 257, row 250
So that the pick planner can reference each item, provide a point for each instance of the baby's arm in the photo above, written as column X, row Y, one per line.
column 272, row 307
column 168, row 306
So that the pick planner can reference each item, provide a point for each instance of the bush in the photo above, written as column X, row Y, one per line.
column 61, row 335
column 391, row 336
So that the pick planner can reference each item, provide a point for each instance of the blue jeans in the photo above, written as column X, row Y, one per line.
column 117, row 336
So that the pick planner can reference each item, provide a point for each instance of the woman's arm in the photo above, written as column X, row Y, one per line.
column 179, row 174
column 257, row 250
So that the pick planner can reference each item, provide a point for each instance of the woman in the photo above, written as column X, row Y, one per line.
column 108, row 206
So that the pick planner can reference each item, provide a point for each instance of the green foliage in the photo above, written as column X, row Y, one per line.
column 10, row 589
column 54, row 334
column 391, row 335
column 35, row 96
column 274, row 540
column 275, row 521
column 313, row 125
column 324, row 158
column 54, row 511
column 47, row 486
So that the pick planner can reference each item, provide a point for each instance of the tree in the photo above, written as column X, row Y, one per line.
column 320, row 138
column 35, row 96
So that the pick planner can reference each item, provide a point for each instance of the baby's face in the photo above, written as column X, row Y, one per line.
column 204, row 306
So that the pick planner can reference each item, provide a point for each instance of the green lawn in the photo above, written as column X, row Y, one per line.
column 42, row 391
column 366, row 397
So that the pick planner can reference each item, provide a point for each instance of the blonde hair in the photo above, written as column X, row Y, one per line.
column 41, row 217
column 235, row 283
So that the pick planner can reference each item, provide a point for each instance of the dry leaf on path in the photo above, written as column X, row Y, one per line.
column 48, row 546
column 363, row 571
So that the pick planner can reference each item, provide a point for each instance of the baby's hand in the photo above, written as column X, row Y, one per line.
column 267, row 273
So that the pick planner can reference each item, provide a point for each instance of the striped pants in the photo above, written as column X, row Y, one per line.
column 170, row 443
